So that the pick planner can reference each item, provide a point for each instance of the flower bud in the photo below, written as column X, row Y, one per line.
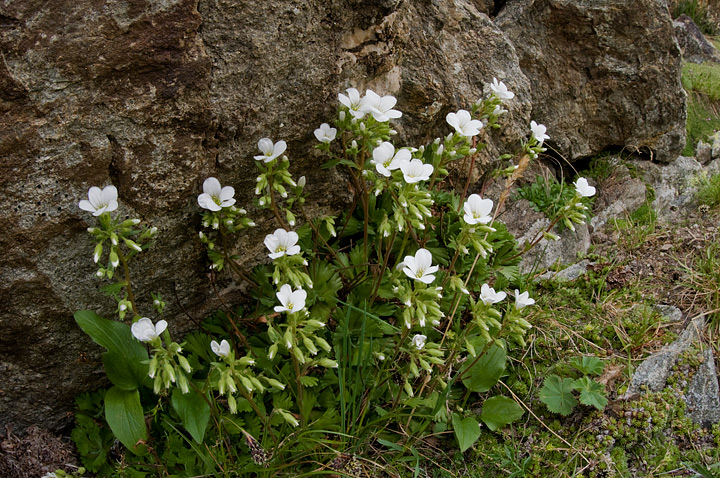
column 184, row 364
column 341, row 116
column 98, row 253
column 114, row 260
column 301, row 182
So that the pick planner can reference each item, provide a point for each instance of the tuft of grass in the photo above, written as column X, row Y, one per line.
column 708, row 192
column 702, row 84
column 704, row 278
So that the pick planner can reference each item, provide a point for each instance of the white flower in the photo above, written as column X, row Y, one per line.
column 499, row 110
column 269, row 150
column 380, row 106
column 463, row 123
column 489, row 296
column 282, row 243
column 501, row 90
column 215, row 197
column 583, row 188
column 521, row 300
column 325, row 133
column 418, row 341
column 292, row 301
column 420, row 267
column 100, row 200
column 415, row 171
column 353, row 101
column 145, row 331
column 221, row 349
column 386, row 159
column 477, row 210
column 538, row 132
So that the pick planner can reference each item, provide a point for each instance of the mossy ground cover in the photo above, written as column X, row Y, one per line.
column 702, row 84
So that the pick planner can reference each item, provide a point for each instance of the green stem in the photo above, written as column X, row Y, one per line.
column 128, row 286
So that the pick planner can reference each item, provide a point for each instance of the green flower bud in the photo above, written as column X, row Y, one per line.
column 274, row 383
column 184, row 364
column 327, row 363
column 322, row 343
column 246, row 383
column 310, row 346
column 232, row 404
column 97, row 253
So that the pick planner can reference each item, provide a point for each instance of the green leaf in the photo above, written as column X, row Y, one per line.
column 124, row 414
column 591, row 393
column 127, row 374
column 499, row 411
column 588, row 365
column 557, row 394
column 308, row 381
column 487, row 370
column 124, row 360
column 467, row 431
column 193, row 410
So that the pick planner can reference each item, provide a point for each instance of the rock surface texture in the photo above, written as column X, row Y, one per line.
column 154, row 97
column 604, row 74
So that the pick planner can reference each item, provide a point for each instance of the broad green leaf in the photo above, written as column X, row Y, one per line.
column 124, row 373
column 591, row 393
column 499, row 411
column 467, row 431
column 588, row 365
column 124, row 360
column 487, row 370
column 194, row 412
column 124, row 414
column 557, row 394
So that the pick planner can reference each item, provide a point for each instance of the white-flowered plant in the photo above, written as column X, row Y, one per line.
column 100, row 200
column 354, row 332
column 583, row 188
column 477, row 210
column 419, row 267
column 221, row 349
column 145, row 331
column 500, row 90
column 325, row 133
column 380, row 107
column 214, row 196
column 464, row 124
column 538, row 132
column 415, row 171
column 489, row 296
column 386, row 160
column 292, row 300
column 418, row 341
column 270, row 150
column 353, row 101
column 282, row 243
column 523, row 299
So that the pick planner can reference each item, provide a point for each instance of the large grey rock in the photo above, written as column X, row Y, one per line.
column 156, row 96
column 603, row 74
column 695, row 47
column 652, row 374
column 675, row 185
column 703, row 394
column 528, row 225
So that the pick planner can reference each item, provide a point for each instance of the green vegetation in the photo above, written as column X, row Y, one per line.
column 702, row 84
column 709, row 190
column 700, row 11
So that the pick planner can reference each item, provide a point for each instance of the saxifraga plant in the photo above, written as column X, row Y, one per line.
column 372, row 324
